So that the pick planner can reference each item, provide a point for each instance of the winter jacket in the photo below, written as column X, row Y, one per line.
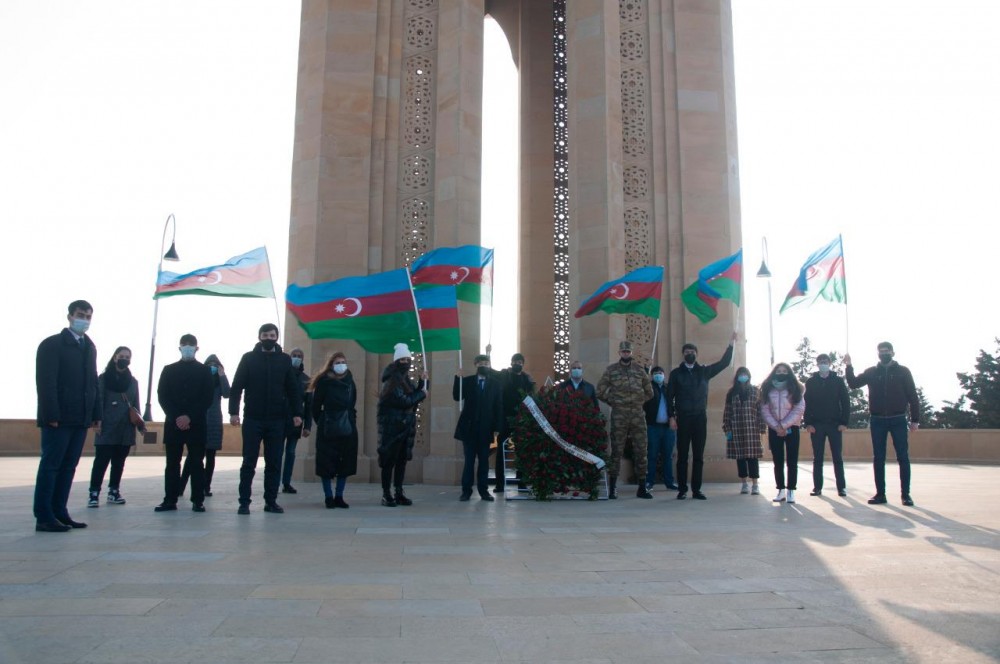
column 827, row 401
column 116, row 427
column 270, row 385
column 588, row 390
column 306, row 398
column 515, row 386
column 482, row 410
column 66, row 381
column 687, row 389
column 397, row 417
column 890, row 390
column 213, row 418
column 185, row 388
column 624, row 387
column 743, row 424
column 652, row 407
column 336, row 455
column 779, row 412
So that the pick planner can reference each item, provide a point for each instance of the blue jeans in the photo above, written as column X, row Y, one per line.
column 328, row 485
column 61, row 449
column 476, row 451
column 661, row 439
column 881, row 428
column 291, row 442
column 272, row 433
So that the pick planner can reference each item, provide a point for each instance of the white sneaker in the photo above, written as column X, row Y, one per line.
column 780, row 498
column 791, row 496
column 755, row 490
column 745, row 488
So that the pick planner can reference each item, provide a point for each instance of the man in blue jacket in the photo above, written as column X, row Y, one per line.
column 66, row 381
column 266, row 376
column 890, row 391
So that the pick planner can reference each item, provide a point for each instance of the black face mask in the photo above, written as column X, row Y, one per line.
column 885, row 358
column 626, row 360
column 268, row 344
column 403, row 366
column 516, row 368
column 122, row 364
column 689, row 358
column 482, row 371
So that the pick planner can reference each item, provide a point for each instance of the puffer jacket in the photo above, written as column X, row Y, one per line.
column 397, row 416
column 778, row 410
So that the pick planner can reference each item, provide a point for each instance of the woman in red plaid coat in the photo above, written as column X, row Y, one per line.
column 744, row 426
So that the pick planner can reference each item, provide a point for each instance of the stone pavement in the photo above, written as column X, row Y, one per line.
column 734, row 578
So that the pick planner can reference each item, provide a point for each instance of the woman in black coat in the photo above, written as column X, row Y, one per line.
column 213, row 425
column 397, row 423
column 115, row 437
column 334, row 397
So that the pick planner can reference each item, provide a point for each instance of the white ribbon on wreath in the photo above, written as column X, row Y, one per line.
column 550, row 431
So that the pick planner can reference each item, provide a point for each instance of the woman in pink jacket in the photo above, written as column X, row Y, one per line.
column 782, row 406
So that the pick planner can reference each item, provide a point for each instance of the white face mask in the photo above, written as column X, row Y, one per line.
column 576, row 374
column 824, row 369
column 340, row 368
column 296, row 362
column 187, row 352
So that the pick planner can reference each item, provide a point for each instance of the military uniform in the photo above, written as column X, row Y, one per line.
column 626, row 388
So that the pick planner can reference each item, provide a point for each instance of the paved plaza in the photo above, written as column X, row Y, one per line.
column 732, row 579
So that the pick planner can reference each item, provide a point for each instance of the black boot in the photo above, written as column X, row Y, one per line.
column 612, row 489
column 387, row 498
column 401, row 499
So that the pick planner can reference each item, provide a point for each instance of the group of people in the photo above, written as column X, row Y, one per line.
column 282, row 403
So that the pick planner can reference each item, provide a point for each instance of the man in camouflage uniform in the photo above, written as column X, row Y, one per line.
column 626, row 387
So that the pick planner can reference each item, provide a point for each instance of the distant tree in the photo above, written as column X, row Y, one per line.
column 982, row 389
column 928, row 418
column 955, row 415
column 805, row 366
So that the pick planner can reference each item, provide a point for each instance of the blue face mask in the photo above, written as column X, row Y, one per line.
column 187, row 352
column 296, row 362
column 743, row 378
column 214, row 369
column 576, row 374
column 658, row 378
column 79, row 325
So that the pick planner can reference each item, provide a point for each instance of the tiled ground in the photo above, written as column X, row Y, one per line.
column 735, row 578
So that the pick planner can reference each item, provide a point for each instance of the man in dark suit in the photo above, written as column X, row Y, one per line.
column 66, row 381
column 186, row 392
column 480, row 421
column 576, row 382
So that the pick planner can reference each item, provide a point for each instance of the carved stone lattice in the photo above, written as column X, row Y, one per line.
column 639, row 330
column 418, row 103
column 637, row 239
column 421, row 5
column 415, row 217
column 416, row 172
column 420, row 32
column 636, row 183
column 631, row 11
column 560, row 233
column 634, row 136
column 633, row 45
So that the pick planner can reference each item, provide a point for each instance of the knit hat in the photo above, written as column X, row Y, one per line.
column 400, row 351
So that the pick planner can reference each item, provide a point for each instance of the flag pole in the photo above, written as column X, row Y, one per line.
column 270, row 278
column 847, row 318
column 656, row 332
column 416, row 310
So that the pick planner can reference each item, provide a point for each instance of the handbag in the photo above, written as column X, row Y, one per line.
column 134, row 416
column 337, row 424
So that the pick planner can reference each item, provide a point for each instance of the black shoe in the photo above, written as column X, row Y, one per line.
column 907, row 500
column 682, row 495
column 643, row 492
column 198, row 507
column 338, row 501
column 401, row 499
column 877, row 499
column 52, row 527
column 165, row 507
column 842, row 493
column 672, row 487
column 274, row 508
column 612, row 488
column 208, row 492
column 244, row 509
column 698, row 495
column 288, row 488
column 816, row 492
column 487, row 497
column 498, row 489
column 465, row 496
column 72, row 524
column 388, row 500
column 330, row 503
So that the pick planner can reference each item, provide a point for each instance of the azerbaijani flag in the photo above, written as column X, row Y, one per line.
column 376, row 311
column 822, row 276
column 247, row 275
column 438, row 311
column 720, row 280
column 638, row 292
column 468, row 268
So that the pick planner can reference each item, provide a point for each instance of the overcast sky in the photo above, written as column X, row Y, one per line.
column 872, row 119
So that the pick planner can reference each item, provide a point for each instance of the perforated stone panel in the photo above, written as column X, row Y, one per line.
column 420, row 32
column 421, row 5
column 634, row 96
column 633, row 45
column 631, row 11
column 560, row 233
column 416, row 215
column 416, row 172
column 636, row 182
column 418, row 103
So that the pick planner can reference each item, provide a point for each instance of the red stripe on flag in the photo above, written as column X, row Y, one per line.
column 438, row 319
column 630, row 292
column 350, row 307
column 451, row 275
column 242, row 276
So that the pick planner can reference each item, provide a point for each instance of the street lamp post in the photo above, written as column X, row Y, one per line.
column 764, row 273
column 170, row 255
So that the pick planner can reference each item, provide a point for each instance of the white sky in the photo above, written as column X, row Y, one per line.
column 876, row 120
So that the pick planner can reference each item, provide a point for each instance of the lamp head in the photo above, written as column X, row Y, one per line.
column 171, row 254
column 762, row 273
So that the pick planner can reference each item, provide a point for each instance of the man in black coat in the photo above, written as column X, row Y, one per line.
column 66, row 382
column 575, row 382
column 185, row 392
column 687, row 402
column 515, row 383
column 481, row 419
column 266, row 375
column 828, row 411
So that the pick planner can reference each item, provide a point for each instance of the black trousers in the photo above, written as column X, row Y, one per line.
column 272, row 434
column 748, row 468
column 172, row 473
column 823, row 433
column 692, row 431
column 394, row 470
column 209, row 471
column 785, row 450
column 103, row 455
